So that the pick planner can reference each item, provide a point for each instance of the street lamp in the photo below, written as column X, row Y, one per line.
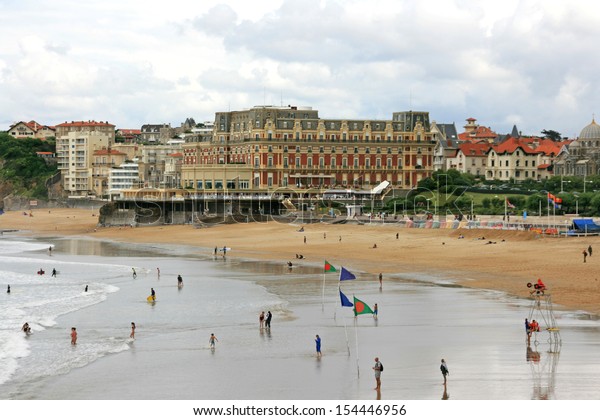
column 562, row 183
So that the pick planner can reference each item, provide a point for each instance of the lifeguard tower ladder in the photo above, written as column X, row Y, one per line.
column 542, row 311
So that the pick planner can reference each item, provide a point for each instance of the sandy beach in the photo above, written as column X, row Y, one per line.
column 513, row 259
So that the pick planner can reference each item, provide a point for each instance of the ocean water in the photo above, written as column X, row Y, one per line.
column 422, row 318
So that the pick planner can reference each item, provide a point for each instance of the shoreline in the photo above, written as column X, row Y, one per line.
column 504, row 261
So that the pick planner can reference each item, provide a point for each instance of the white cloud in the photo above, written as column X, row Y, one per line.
column 529, row 62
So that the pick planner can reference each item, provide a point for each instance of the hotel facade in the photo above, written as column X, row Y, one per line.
column 269, row 147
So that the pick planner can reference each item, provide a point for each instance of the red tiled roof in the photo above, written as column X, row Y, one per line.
column 85, row 124
column 474, row 149
column 480, row 132
column 129, row 131
column 544, row 166
column 176, row 154
column 511, row 144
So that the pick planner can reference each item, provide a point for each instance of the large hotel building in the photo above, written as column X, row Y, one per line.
column 271, row 147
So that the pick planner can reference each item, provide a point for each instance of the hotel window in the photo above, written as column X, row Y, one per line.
column 367, row 150
column 333, row 162
column 368, row 163
column 332, row 149
column 389, row 162
column 321, row 149
column 344, row 162
column 285, row 149
column 297, row 162
column 321, row 162
column 297, row 149
column 309, row 162
column 356, row 150
column 309, row 136
column 270, row 161
column 356, row 163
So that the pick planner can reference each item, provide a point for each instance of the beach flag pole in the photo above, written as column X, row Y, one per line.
column 323, row 294
column 346, row 332
column 356, row 333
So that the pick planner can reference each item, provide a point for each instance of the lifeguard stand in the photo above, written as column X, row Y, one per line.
column 542, row 311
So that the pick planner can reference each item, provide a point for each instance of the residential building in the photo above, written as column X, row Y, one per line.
column 446, row 144
column 75, row 145
column 270, row 147
column 518, row 159
column 31, row 129
column 103, row 161
column 153, row 161
column 128, row 135
column 476, row 133
column 470, row 158
column 123, row 177
column 156, row 133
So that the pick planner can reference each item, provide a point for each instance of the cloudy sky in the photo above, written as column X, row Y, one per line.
column 530, row 63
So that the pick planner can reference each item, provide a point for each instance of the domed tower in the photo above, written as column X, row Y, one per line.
column 587, row 150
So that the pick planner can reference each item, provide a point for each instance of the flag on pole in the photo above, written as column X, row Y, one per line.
column 509, row 204
column 554, row 200
column 361, row 307
column 328, row 268
column 345, row 300
column 346, row 275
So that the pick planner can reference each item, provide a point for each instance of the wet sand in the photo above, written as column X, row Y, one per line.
column 421, row 319
column 514, row 259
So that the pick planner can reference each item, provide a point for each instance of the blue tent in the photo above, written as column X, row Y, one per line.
column 585, row 225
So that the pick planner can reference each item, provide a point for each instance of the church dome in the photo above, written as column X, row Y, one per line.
column 591, row 131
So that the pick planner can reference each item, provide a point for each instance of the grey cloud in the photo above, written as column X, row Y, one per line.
column 218, row 21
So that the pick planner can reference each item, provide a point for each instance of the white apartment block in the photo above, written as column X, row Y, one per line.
column 75, row 145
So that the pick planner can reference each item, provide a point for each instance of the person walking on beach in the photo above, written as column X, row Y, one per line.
column 268, row 320
column 305, row 239
column 26, row 328
column 158, row 272
column 396, row 235
column 212, row 340
column 153, row 293
column 378, row 368
column 585, row 254
column 375, row 311
column 54, row 272
column 132, row 335
column 528, row 331
column 8, row 290
column 86, row 288
column 380, row 280
column 261, row 320
column 590, row 250
column 179, row 281
column 318, row 344
column 134, row 273
column 73, row 335
column 444, row 369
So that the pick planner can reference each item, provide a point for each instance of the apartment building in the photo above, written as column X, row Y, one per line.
column 76, row 142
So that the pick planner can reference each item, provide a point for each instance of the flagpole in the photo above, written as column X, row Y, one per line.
column 356, row 333
column 346, row 332
column 323, row 295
